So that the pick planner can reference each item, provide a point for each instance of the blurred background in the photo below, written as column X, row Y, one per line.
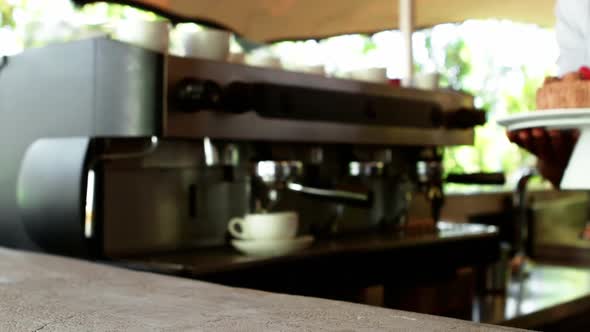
column 501, row 63
column 506, row 274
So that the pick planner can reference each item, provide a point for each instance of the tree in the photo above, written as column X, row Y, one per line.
column 491, row 151
column 6, row 14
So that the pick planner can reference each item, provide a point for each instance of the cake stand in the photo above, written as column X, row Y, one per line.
column 577, row 172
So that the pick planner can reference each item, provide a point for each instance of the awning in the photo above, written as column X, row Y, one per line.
column 271, row 20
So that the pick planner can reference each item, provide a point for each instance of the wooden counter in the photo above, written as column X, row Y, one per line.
column 48, row 293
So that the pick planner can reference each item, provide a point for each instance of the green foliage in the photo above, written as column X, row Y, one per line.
column 525, row 101
column 457, row 64
column 369, row 45
column 45, row 22
column 117, row 12
column 491, row 152
column 6, row 14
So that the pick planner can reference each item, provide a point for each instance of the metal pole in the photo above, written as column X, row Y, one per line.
column 406, row 26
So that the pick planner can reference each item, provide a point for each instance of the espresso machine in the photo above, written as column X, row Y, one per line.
column 111, row 150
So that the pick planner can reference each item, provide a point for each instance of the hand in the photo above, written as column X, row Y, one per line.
column 553, row 149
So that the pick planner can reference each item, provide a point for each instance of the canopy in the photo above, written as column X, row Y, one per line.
column 271, row 20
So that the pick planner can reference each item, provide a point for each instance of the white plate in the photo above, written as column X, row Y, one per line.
column 556, row 119
column 576, row 174
column 267, row 248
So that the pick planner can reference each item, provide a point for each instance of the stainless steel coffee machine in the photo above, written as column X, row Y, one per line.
column 113, row 150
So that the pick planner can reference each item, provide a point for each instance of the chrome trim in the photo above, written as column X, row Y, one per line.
column 154, row 142
column 89, row 205
column 336, row 194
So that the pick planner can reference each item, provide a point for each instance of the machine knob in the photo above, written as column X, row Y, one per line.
column 192, row 95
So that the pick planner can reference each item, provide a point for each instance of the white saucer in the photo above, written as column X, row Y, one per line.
column 568, row 118
column 576, row 176
column 268, row 248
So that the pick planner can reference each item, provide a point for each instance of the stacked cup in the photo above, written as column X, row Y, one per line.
column 210, row 44
column 153, row 35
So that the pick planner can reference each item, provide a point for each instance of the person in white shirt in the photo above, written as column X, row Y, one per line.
column 571, row 31
column 553, row 148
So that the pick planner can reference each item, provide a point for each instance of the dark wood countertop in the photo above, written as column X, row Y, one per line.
column 207, row 261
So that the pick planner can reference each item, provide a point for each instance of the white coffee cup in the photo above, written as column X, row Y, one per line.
column 263, row 59
column 208, row 44
column 427, row 81
column 239, row 58
column 314, row 69
column 374, row 75
column 153, row 35
column 265, row 226
column 309, row 69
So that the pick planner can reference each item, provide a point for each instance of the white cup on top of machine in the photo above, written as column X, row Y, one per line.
column 317, row 69
column 373, row 74
column 427, row 81
column 210, row 44
column 263, row 58
column 153, row 35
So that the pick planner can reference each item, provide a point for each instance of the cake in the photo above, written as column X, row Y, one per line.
column 570, row 91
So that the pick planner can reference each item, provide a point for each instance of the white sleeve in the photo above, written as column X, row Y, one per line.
column 571, row 30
